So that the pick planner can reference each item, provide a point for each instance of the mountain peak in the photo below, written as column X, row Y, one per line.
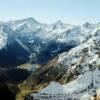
column 59, row 22
column 87, row 25
column 30, row 19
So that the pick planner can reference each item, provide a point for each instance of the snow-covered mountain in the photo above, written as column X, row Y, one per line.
column 76, row 70
column 59, row 52
column 79, row 71
column 28, row 38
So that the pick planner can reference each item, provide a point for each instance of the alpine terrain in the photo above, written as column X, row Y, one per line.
column 56, row 61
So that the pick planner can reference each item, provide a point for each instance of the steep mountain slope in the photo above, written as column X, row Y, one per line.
column 11, row 48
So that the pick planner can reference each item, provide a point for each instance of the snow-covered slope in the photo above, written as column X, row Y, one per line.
column 76, row 86
column 80, row 88
column 3, row 38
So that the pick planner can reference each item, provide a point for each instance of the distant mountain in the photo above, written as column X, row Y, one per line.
column 22, row 38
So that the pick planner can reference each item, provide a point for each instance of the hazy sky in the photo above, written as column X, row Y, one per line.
column 48, row 11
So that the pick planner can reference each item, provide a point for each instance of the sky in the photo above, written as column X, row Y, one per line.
column 49, row 11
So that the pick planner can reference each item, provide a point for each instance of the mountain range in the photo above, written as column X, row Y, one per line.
column 34, row 54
